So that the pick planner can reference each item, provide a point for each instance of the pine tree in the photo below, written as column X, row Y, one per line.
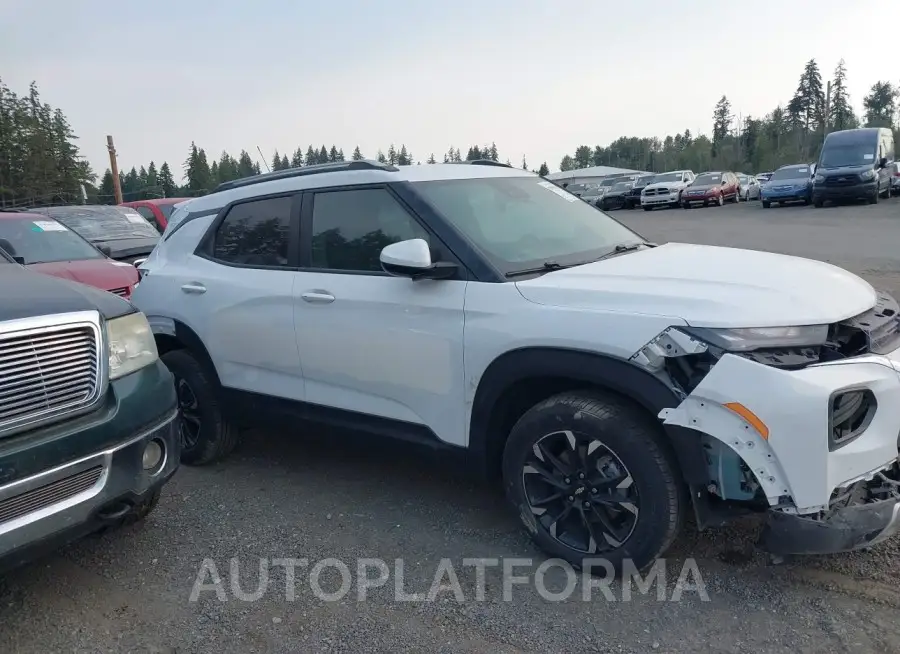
column 403, row 158
column 493, row 155
column 722, row 118
column 323, row 155
column 276, row 161
column 246, row 167
column 357, row 155
column 807, row 107
column 153, row 178
column 297, row 158
column 543, row 171
column 840, row 114
column 312, row 156
column 340, row 154
column 432, row 160
column 524, row 163
column 392, row 155
column 166, row 181
column 107, row 188
column 285, row 164
column 381, row 158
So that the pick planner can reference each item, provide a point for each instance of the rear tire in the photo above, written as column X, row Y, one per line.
column 766, row 204
column 206, row 436
column 590, row 478
column 818, row 204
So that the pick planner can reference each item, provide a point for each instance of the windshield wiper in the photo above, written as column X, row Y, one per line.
column 547, row 266
column 625, row 247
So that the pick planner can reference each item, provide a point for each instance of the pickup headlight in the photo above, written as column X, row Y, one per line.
column 131, row 344
column 820, row 178
column 867, row 174
column 755, row 338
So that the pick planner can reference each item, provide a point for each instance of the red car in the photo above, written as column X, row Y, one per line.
column 47, row 246
column 712, row 188
column 157, row 211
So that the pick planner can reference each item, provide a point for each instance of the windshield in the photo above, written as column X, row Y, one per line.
column 576, row 188
column 791, row 173
column 520, row 222
column 610, row 182
column 667, row 177
column 104, row 223
column 641, row 182
column 591, row 191
column 743, row 179
column 847, row 154
column 622, row 186
column 38, row 239
column 707, row 178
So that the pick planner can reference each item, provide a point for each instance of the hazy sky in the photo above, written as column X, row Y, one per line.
column 538, row 77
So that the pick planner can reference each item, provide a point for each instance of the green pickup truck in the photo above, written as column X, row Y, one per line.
column 89, row 429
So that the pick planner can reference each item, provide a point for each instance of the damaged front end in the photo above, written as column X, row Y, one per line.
column 801, row 421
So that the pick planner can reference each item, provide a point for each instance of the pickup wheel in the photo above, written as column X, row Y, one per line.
column 589, row 477
column 206, row 435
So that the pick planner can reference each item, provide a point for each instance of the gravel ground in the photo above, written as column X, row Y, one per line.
column 318, row 496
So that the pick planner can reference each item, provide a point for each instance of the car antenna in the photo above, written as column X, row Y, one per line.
column 261, row 156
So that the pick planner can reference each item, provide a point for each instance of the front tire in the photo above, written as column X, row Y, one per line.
column 206, row 436
column 720, row 200
column 590, row 478
column 766, row 204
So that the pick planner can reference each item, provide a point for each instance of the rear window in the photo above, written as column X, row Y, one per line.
column 104, row 223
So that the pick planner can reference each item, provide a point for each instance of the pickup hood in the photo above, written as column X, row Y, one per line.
column 665, row 185
column 709, row 286
column 104, row 274
column 27, row 293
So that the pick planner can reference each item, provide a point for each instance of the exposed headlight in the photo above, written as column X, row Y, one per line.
column 755, row 338
column 131, row 344
column 820, row 178
column 868, row 174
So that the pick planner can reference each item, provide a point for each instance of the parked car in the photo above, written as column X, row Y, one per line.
column 618, row 385
column 122, row 230
column 895, row 178
column 749, row 187
column 592, row 194
column 711, row 188
column 616, row 196
column 633, row 199
column 157, row 211
column 762, row 178
column 49, row 247
column 88, row 414
column 854, row 165
column 788, row 184
column 665, row 189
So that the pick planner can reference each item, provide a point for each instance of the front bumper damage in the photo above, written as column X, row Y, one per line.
column 774, row 427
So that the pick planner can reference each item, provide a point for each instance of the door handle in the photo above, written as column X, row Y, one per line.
column 195, row 288
column 318, row 297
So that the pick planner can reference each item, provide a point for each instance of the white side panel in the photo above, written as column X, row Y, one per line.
column 386, row 346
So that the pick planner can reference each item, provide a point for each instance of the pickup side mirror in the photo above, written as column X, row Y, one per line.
column 412, row 258
column 19, row 260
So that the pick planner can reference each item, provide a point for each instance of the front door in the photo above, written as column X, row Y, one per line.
column 376, row 345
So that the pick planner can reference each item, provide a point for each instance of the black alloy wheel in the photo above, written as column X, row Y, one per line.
column 190, row 424
column 581, row 492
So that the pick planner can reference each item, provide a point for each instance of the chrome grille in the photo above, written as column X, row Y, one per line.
column 49, row 494
column 47, row 370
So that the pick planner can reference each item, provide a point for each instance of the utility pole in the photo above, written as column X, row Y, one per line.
column 114, row 168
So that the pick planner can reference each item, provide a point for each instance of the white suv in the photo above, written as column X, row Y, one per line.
column 614, row 386
column 665, row 189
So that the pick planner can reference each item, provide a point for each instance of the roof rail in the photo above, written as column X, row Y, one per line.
column 332, row 167
column 486, row 162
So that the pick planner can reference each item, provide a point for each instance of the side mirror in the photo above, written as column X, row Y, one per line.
column 105, row 249
column 883, row 163
column 140, row 262
column 412, row 258
column 19, row 260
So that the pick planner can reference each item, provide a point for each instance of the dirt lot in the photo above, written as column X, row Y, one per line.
column 316, row 496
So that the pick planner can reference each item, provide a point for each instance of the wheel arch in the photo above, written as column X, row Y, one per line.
column 171, row 334
column 517, row 380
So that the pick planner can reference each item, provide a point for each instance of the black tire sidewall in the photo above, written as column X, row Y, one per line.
column 185, row 367
column 634, row 442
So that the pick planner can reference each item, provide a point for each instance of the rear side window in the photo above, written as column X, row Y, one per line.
column 255, row 233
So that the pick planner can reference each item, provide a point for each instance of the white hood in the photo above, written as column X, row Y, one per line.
column 678, row 184
column 709, row 287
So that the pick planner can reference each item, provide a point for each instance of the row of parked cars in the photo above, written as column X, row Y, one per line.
column 612, row 386
column 853, row 165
